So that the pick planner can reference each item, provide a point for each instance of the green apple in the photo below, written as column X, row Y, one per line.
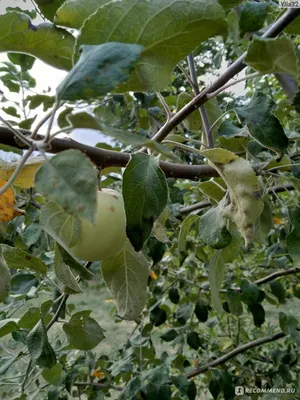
column 106, row 237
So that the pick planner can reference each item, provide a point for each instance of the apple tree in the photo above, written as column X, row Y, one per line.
column 188, row 216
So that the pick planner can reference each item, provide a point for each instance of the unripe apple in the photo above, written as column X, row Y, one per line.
column 107, row 236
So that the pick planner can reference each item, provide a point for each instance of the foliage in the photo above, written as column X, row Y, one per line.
column 208, row 275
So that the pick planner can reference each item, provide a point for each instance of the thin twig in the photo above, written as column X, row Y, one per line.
column 228, row 85
column 16, row 171
column 202, row 109
column 17, row 133
column 165, row 105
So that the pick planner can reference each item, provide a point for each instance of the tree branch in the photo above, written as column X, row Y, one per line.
column 99, row 385
column 204, row 203
column 241, row 349
column 276, row 275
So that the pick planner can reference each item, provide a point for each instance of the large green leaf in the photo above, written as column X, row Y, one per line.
column 244, row 205
column 64, row 274
column 272, row 56
column 7, row 326
column 126, row 277
column 45, row 41
column 74, row 12
column 99, row 70
column 185, row 229
column 216, row 275
column 213, row 227
column 253, row 16
column 39, row 347
column 83, row 332
column 20, row 259
column 168, row 29
column 49, row 7
column 63, row 227
column 145, row 193
column 73, row 188
column 262, row 124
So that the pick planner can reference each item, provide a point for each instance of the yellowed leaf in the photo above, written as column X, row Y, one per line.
column 25, row 178
column 278, row 221
column 8, row 209
column 153, row 275
column 98, row 374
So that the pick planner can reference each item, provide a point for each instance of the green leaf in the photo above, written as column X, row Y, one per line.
column 169, row 336
column 278, row 291
column 19, row 259
column 174, row 295
column 99, row 70
column 193, row 340
column 186, row 387
column 201, row 311
column 11, row 111
column 64, row 274
column 73, row 188
column 156, row 383
column 30, row 318
column 263, row 126
column 73, row 13
column 51, row 44
column 83, row 272
column 39, row 347
column 7, row 326
column 53, row 375
column 229, row 4
column 272, row 56
column 250, row 293
column 292, row 241
column 158, row 316
column 126, row 277
column 183, row 313
column 145, row 193
column 234, row 302
column 40, row 99
column 244, row 205
column 213, row 228
column 83, row 332
column 131, row 390
column 212, row 189
column 4, row 279
column 215, row 276
column 49, row 7
column 185, row 229
column 156, row 25
column 63, row 227
column 23, row 60
column 253, row 16
column 288, row 325
column 21, row 283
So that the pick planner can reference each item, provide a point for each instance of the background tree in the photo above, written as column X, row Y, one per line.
column 208, row 271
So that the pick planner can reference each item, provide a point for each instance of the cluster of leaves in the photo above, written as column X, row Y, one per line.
column 198, row 288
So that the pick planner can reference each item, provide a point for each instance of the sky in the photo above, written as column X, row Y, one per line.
column 48, row 76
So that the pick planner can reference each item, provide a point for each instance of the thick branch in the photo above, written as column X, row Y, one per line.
column 107, row 158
